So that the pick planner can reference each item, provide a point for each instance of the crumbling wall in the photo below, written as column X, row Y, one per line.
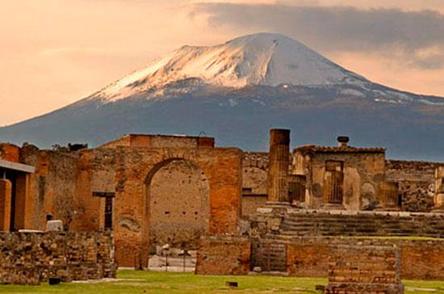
column 9, row 152
column 223, row 256
column 309, row 256
column 160, row 141
column 420, row 259
column 52, row 188
column 96, row 174
column 31, row 258
column 363, row 173
column 136, row 166
column 364, row 269
column 416, row 180
column 254, row 181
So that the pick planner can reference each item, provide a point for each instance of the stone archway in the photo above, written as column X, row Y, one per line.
column 177, row 196
column 135, row 169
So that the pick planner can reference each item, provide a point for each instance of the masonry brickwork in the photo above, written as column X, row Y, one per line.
column 181, row 224
column 31, row 258
column 364, row 269
column 309, row 256
column 122, row 180
column 254, row 182
column 341, row 177
column 9, row 152
column 156, row 189
column 416, row 183
column 223, row 256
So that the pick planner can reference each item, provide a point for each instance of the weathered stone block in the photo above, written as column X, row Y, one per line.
column 54, row 226
column 223, row 256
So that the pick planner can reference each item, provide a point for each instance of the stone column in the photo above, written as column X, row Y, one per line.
column 279, row 158
column 5, row 204
column 439, row 188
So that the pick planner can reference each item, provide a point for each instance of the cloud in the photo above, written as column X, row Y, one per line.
column 330, row 29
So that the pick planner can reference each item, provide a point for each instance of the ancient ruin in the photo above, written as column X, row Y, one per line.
column 280, row 211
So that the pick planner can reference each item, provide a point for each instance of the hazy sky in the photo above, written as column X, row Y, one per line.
column 54, row 52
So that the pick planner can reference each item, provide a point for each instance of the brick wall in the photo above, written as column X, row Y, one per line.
column 161, row 141
column 254, row 181
column 223, row 256
column 420, row 259
column 309, row 256
column 52, row 188
column 9, row 152
column 179, row 205
column 364, row 269
column 31, row 258
column 416, row 181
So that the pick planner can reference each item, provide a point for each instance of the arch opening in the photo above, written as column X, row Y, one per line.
column 178, row 205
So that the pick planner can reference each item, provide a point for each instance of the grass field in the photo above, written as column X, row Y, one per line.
column 154, row 282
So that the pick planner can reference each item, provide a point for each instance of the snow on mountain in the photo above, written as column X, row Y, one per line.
column 265, row 59
column 238, row 90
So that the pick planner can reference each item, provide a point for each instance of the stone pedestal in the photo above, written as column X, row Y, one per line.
column 54, row 226
column 5, row 204
column 279, row 159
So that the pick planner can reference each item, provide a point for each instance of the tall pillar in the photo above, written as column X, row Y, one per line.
column 279, row 159
column 5, row 204
column 439, row 188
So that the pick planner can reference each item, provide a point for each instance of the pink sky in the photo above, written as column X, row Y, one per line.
column 55, row 52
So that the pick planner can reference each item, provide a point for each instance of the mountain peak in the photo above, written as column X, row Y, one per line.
column 267, row 59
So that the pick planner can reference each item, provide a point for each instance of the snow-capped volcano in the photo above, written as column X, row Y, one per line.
column 264, row 59
column 238, row 90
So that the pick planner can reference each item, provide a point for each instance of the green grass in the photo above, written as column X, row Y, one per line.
column 154, row 282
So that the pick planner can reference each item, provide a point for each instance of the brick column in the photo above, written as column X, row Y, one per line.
column 439, row 188
column 279, row 158
column 5, row 204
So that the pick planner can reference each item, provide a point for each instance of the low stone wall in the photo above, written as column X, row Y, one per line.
column 31, row 258
column 309, row 256
column 364, row 269
column 420, row 259
column 223, row 256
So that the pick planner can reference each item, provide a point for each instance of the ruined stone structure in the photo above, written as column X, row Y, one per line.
column 254, row 182
column 152, row 190
column 344, row 177
column 147, row 189
column 365, row 269
column 310, row 256
column 32, row 257
column 222, row 256
column 416, row 183
column 439, row 184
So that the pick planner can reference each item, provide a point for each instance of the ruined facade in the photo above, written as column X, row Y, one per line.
column 117, row 186
column 343, row 177
column 152, row 190
column 30, row 257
